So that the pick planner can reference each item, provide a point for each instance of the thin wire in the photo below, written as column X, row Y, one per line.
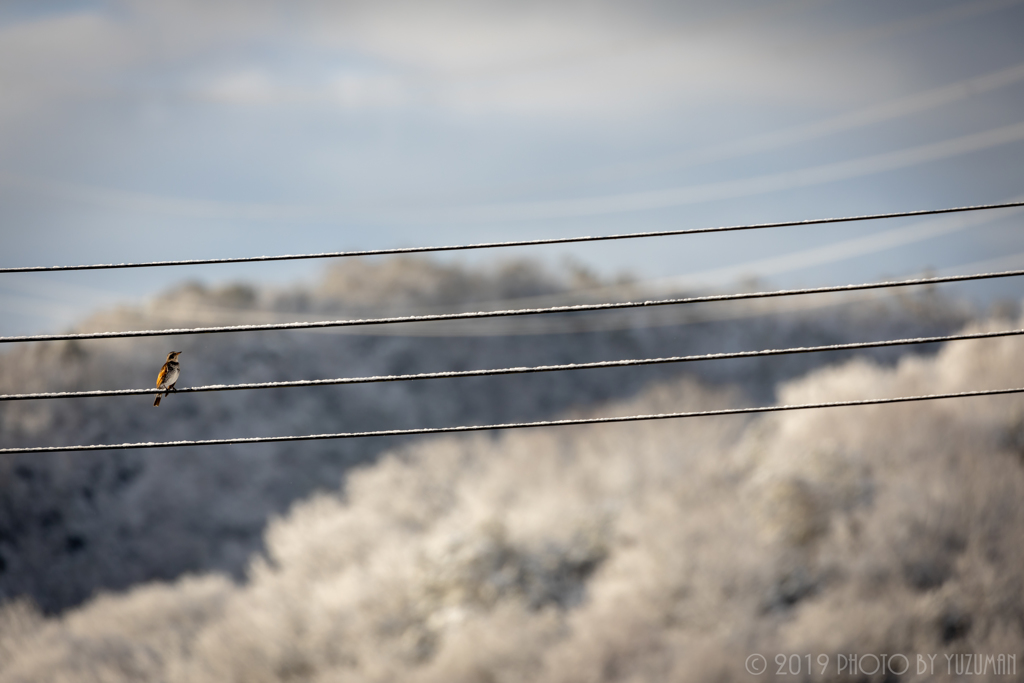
column 508, row 313
column 518, row 243
column 511, row 425
column 519, row 370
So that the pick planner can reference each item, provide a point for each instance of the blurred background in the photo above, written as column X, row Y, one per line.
column 137, row 131
column 134, row 131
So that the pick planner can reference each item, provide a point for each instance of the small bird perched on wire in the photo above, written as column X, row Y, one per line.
column 168, row 376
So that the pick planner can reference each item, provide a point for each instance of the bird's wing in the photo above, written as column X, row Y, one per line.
column 162, row 376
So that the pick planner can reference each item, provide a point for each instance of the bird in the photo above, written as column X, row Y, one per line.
column 168, row 376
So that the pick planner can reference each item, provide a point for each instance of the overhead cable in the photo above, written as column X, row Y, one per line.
column 509, row 313
column 519, row 370
column 511, row 425
column 517, row 243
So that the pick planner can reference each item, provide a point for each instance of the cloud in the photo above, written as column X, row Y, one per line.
column 588, row 206
column 345, row 88
column 839, row 251
column 533, row 59
column 529, row 60
column 745, row 187
column 917, row 103
column 411, row 115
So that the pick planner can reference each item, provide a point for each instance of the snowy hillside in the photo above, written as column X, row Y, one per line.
column 634, row 552
column 74, row 523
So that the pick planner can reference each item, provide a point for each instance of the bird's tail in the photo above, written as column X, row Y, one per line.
column 157, row 401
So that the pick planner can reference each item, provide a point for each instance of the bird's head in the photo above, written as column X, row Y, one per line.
column 172, row 355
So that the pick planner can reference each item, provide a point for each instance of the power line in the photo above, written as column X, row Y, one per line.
column 510, row 425
column 519, row 370
column 518, row 243
column 510, row 313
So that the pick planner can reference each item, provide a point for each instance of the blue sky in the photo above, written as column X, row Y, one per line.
column 135, row 130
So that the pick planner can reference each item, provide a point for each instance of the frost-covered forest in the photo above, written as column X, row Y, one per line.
column 641, row 552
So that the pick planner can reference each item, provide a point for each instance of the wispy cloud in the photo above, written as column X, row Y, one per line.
column 902, row 107
column 745, row 187
column 588, row 206
column 837, row 251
